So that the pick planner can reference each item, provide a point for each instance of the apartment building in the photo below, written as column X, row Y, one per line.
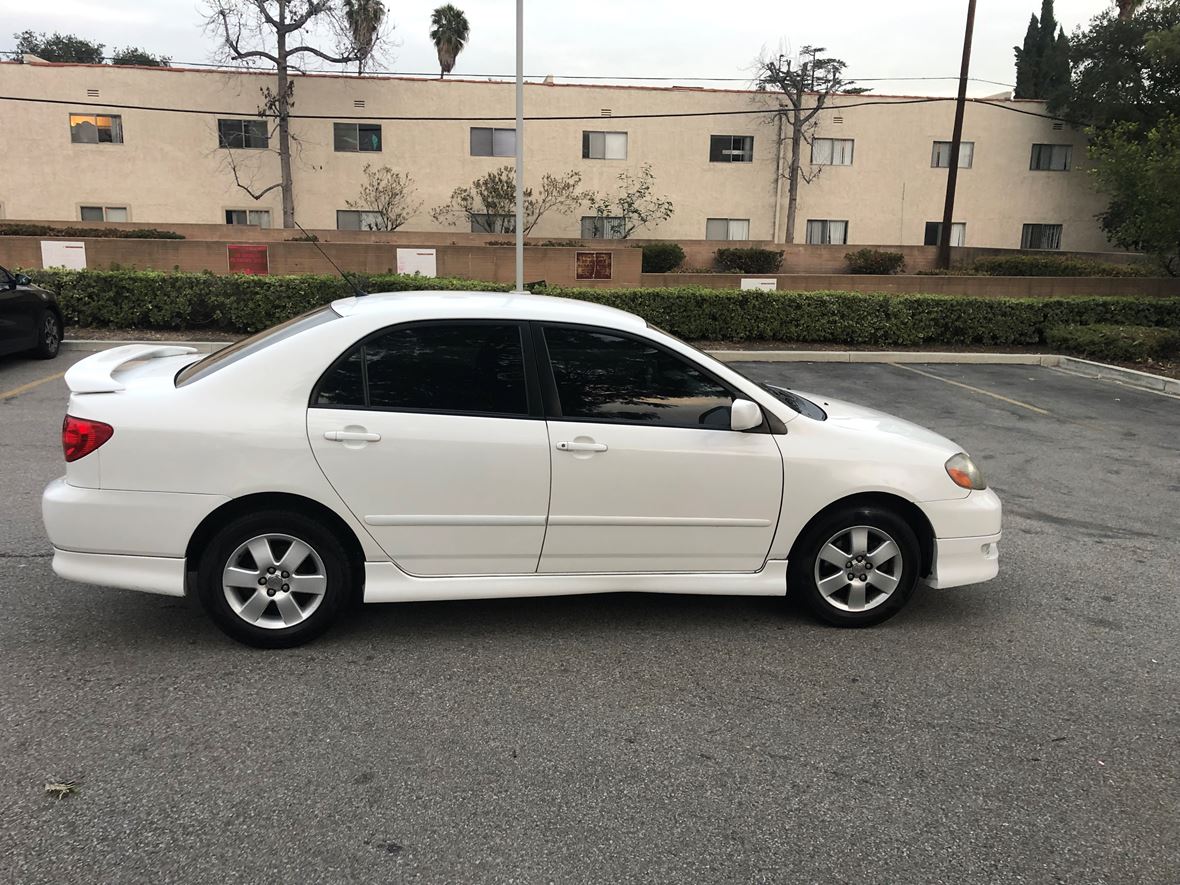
column 164, row 145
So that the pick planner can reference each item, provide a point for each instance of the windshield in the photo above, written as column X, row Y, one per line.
column 256, row 342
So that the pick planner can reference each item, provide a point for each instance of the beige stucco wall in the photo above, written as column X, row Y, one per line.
column 169, row 168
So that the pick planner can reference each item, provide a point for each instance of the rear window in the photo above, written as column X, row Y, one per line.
column 227, row 356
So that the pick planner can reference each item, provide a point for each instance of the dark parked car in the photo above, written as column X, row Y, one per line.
column 30, row 320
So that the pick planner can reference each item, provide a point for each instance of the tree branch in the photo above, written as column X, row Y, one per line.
column 338, row 60
column 257, row 195
column 233, row 43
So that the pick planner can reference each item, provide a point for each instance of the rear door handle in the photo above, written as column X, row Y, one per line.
column 351, row 436
column 581, row 447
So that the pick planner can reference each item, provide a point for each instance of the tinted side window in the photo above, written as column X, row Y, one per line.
column 605, row 377
column 470, row 368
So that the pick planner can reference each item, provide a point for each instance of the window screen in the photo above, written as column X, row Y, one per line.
column 469, row 368
column 601, row 376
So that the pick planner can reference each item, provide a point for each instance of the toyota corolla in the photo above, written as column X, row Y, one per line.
column 431, row 446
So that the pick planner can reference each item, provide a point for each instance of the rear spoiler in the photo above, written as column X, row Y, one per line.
column 95, row 374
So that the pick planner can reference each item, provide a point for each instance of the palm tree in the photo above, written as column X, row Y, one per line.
column 449, row 33
column 364, row 18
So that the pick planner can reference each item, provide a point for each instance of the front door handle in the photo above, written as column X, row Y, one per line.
column 581, row 447
column 351, row 436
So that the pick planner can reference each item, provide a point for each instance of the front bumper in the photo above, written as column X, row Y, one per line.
column 966, row 539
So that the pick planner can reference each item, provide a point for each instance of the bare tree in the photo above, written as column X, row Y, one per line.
column 805, row 83
column 489, row 204
column 389, row 195
column 276, row 31
column 634, row 203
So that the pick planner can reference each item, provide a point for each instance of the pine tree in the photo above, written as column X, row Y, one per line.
column 1042, row 63
column 1026, row 61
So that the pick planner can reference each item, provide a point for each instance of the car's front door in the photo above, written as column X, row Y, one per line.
column 433, row 434
column 16, row 315
column 647, row 475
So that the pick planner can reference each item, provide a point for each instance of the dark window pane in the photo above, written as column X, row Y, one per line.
column 717, row 146
column 605, row 377
column 481, row 142
column 344, row 136
column 92, row 213
column 454, row 368
column 369, row 138
column 343, row 385
column 932, row 230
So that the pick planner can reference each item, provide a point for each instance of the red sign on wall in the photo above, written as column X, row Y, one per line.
column 592, row 265
column 248, row 259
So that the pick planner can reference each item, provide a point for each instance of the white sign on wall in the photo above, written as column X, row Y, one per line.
column 752, row 283
column 417, row 261
column 58, row 253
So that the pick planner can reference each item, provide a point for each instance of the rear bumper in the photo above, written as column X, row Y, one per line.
column 127, row 523
column 149, row 574
column 959, row 561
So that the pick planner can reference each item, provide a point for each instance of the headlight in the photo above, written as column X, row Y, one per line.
column 963, row 472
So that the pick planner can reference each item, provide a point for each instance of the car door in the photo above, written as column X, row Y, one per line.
column 16, row 315
column 433, row 435
column 647, row 474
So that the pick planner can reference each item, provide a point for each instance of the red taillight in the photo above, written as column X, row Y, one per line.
column 80, row 437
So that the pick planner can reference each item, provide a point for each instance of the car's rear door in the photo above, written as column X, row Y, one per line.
column 647, row 474
column 434, row 436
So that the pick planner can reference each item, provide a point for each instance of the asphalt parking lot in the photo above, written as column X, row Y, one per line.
column 1025, row 730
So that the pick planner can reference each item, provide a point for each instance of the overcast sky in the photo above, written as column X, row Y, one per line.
column 660, row 38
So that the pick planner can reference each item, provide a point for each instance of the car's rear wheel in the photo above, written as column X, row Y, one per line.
column 48, row 335
column 857, row 567
column 274, row 579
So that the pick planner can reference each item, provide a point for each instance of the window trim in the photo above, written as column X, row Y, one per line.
column 552, row 401
column 533, row 396
column 827, row 222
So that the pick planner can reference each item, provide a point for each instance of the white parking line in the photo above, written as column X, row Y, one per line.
column 1001, row 397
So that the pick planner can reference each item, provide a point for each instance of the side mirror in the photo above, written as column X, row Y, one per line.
column 744, row 415
column 22, row 280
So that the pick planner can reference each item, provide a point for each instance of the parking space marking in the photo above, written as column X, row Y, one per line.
column 25, row 388
column 1009, row 400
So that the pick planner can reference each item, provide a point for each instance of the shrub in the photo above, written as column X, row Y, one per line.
column 748, row 260
column 1110, row 342
column 1054, row 266
column 661, row 257
column 240, row 303
column 875, row 261
column 45, row 230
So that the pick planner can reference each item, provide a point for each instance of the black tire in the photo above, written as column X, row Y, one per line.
column 803, row 577
column 48, row 335
column 338, row 587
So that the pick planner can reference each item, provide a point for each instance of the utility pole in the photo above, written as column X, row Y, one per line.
column 520, row 146
column 952, row 177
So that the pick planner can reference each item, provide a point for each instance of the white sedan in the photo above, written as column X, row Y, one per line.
column 441, row 445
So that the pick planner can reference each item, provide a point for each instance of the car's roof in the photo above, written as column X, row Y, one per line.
column 486, row 305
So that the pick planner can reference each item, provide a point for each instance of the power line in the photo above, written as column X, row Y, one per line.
column 629, row 77
column 560, row 117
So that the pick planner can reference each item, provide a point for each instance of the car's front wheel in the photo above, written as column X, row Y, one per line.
column 48, row 335
column 857, row 567
column 274, row 579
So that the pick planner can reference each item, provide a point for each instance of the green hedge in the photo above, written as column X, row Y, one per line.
column 1110, row 342
column 146, row 299
column 1055, row 266
column 46, row 230
column 748, row 260
column 874, row 261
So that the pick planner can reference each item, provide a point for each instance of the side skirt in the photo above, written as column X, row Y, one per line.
column 385, row 582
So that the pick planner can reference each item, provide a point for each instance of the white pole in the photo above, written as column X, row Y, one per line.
column 519, row 145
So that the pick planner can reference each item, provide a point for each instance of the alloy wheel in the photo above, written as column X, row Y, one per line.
column 858, row 568
column 274, row 581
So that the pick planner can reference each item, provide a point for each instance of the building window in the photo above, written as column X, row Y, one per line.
column 242, row 134
column 731, row 148
column 255, row 217
column 604, row 145
column 940, row 157
column 356, row 136
column 831, row 152
column 102, row 213
column 358, row 219
column 96, row 129
column 599, row 227
column 493, row 224
column 934, row 231
column 1041, row 236
column 826, row 232
column 727, row 228
column 493, row 142
column 1051, row 157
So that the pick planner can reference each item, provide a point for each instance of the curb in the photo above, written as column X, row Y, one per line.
column 1070, row 364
